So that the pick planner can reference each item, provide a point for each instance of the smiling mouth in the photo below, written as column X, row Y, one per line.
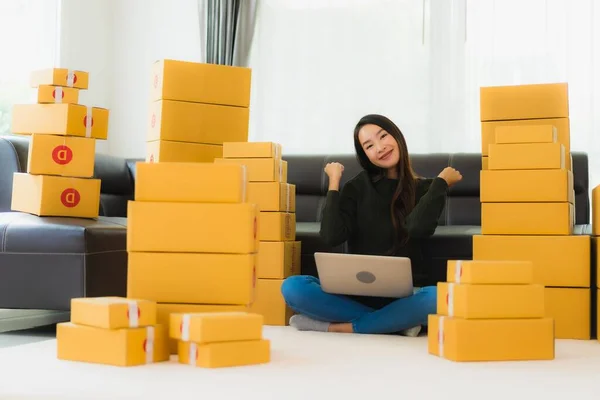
column 386, row 155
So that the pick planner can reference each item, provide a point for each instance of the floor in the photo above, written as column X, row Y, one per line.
column 308, row 365
column 19, row 327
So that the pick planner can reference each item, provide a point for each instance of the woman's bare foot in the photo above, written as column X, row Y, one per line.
column 340, row 328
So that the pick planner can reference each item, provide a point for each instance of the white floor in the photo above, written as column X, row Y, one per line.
column 306, row 366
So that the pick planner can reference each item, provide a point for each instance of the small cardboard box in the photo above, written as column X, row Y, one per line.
column 113, row 312
column 192, row 227
column 117, row 347
column 193, row 278
column 60, row 77
column 512, row 134
column 522, row 339
column 245, row 149
column 490, row 272
column 527, row 156
column 571, row 310
column 226, row 354
column 261, row 169
column 533, row 185
column 182, row 152
column 216, row 327
column 557, row 260
column 201, row 83
column 182, row 121
column 278, row 260
column 47, row 94
column 527, row 218
column 270, row 303
column 191, row 182
column 56, row 196
column 277, row 226
column 273, row 196
column 61, row 155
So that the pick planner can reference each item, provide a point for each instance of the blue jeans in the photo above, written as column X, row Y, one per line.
column 304, row 295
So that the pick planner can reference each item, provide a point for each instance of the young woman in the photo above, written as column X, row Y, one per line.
column 385, row 210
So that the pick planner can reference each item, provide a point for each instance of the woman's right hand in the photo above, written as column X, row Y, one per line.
column 334, row 172
column 450, row 175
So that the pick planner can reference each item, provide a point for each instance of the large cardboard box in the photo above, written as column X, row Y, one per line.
column 168, row 151
column 57, row 196
column 521, row 156
column 61, row 155
column 225, row 354
column 273, row 196
column 270, row 303
column 60, row 77
column 117, row 347
column 571, row 310
column 278, row 260
column 534, row 185
column 557, row 260
column 192, row 227
column 245, row 149
column 60, row 119
column 527, row 218
column 191, row 183
column 490, row 272
column 182, row 121
column 47, row 94
column 498, row 103
column 201, row 83
column 260, row 169
column 511, row 134
column 474, row 301
column 484, row 163
column 596, row 211
column 216, row 327
column 113, row 312
column 459, row 339
column 562, row 125
column 194, row 278
column 277, row 226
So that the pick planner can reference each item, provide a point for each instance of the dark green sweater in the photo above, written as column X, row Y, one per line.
column 360, row 214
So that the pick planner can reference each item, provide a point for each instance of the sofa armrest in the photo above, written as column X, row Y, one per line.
column 13, row 158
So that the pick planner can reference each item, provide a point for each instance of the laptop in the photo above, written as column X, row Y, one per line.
column 364, row 275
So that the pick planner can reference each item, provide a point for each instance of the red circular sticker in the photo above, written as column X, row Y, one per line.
column 447, row 297
column 85, row 121
column 62, row 94
column 145, row 344
column 62, row 155
column 70, row 198
column 74, row 78
column 139, row 312
column 254, row 277
column 181, row 327
column 255, row 227
column 151, row 158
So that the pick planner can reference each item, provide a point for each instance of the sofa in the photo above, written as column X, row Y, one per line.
column 44, row 262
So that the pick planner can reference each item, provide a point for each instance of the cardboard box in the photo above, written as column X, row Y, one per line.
column 273, row 196
column 195, row 278
column 498, row 103
column 557, row 260
column 192, row 227
column 182, row 152
column 596, row 211
column 61, row 155
column 191, row 182
column 182, row 121
column 56, row 196
column 60, row 119
column 512, row 134
column 490, row 272
column 484, row 163
column 117, row 347
column 474, row 301
column 270, row 303
column 47, row 94
column 260, row 169
column 216, row 327
column 562, row 125
column 60, row 77
column 201, row 83
column 278, row 260
column 534, row 185
column 527, row 156
column 113, row 312
column 571, row 310
column 527, row 218
column 226, row 354
column 164, row 311
column 277, row 226
column 245, row 149
column 521, row 339
column 595, row 260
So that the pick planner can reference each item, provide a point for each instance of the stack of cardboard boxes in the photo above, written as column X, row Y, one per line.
column 113, row 331
column 215, row 340
column 596, row 254
column 60, row 165
column 490, row 311
column 279, row 252
column 527, row 198
column 195, row 108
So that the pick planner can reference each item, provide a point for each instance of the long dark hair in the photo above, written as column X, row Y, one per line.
column 403, row 200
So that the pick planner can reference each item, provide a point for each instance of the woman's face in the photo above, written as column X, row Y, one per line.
column 380, row 147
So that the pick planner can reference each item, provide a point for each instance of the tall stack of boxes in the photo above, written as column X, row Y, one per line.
column 60, row 167
column 527, row 198
column 279, row 252
column 112, row 331
column 490, row 311
column 195, row 108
